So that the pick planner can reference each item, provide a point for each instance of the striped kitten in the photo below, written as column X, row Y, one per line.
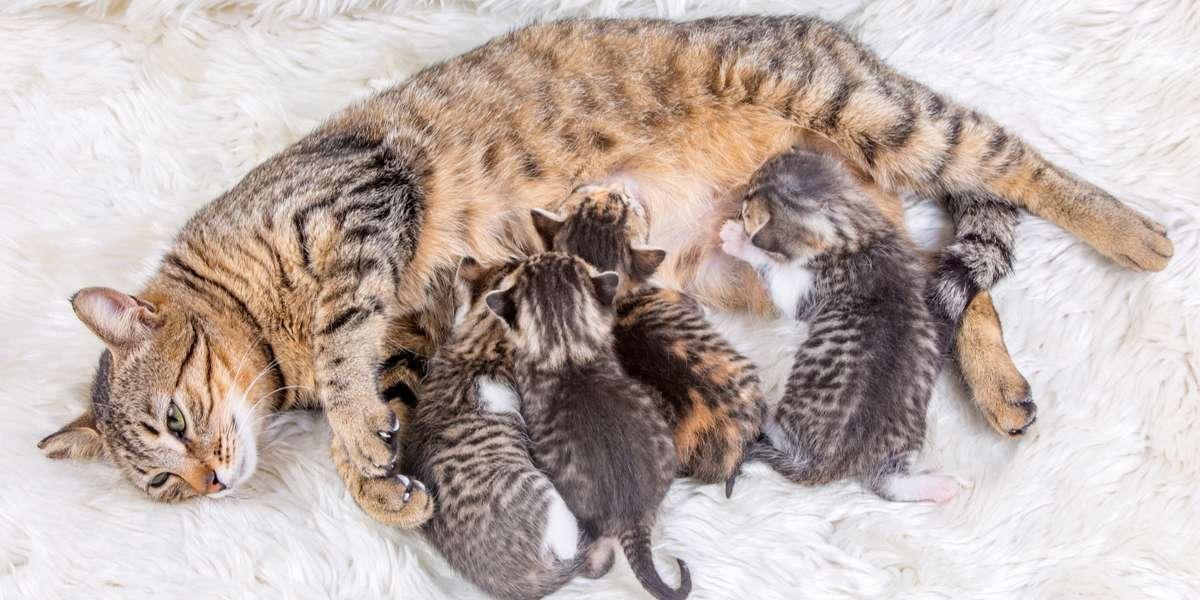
column 855, row 401
column 289, row 289
column 597, row 432
column 713, row 402
column 499, row 520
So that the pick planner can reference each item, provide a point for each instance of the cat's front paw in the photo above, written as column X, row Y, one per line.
column 398, row 500
column 734, row 239
column 366, row 433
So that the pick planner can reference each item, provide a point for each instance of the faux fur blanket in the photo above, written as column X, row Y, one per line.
column 119, row 118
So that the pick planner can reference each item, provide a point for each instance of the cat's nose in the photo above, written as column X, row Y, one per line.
column 212, row 484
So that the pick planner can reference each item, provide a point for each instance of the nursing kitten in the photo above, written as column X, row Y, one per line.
column 282, row 293
column 597, row 432
column 499, row 520
column 713, row 402
column 855, row 402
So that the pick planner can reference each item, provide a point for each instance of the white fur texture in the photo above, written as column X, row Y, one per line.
column 119, row 118
column 496, row 396
column 561, row 536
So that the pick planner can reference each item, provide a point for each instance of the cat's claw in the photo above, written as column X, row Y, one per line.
column 363, row 437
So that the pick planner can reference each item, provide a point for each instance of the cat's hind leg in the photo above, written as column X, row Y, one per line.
column 994, row 383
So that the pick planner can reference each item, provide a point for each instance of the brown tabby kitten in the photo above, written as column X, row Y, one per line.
column 713, row 402
column 301, row 270
column 597, row 432
column 855, row 402
column 499, row 520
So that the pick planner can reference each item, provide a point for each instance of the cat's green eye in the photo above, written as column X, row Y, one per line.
column 159, row 479
column 175, row 420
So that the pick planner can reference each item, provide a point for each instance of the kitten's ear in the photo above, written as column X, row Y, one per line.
column 119, row 320
column 469, row 270
column 755, row 215
column 547, row 225
column 645, row 262
column 605, row 285
column 501, row 303
column 79, row 439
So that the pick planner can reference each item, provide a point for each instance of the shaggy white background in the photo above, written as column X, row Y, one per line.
column 120, row 118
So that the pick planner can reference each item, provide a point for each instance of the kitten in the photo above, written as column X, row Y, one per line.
column 713, row 402
column 499, row 520
column 855, row 401
column 596, row 431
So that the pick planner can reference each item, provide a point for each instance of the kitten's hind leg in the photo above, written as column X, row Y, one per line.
column 894, row 482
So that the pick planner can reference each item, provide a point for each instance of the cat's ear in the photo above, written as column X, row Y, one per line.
column 78, row 439
column 121, row 321
column 645, row 262
column 501, row 303
column 547, row 225
column 605, row 285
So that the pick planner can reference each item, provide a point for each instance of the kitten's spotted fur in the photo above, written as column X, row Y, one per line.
column 499, row 519
column 855, row 401
column 597, row 432
column 713, row 402
column 298, row 273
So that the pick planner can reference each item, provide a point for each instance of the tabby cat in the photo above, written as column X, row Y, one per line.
column 499, row 520
column 855, row 402
column 597, row 432
column 713, row 402
column 288, row 289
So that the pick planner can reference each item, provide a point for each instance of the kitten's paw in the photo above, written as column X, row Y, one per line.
column 733, row 238
column 926, row 487
column 367, row 436
column 1129, row 238
column 399, row 501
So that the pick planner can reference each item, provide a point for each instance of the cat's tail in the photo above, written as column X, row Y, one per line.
column 979, row 255
column 793, row 469
column 635, row 541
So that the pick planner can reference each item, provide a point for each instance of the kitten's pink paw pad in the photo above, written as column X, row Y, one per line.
column 928, row 487
column 941, row 489
column 733, row 238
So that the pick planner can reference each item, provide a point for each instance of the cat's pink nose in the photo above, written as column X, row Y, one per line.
column 212, row 484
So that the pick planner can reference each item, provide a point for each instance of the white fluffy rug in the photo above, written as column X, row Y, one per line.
column 119, row 118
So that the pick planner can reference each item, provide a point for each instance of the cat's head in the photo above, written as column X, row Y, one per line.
column 604, row 225
column 555, row 307
column 801, row 204
column 172, row 400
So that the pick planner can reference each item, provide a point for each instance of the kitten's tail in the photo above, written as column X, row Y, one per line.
column 636, row 543
column 793, row 469
column 980, row 254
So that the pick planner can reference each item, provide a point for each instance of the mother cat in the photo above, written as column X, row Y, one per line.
column 294, row 287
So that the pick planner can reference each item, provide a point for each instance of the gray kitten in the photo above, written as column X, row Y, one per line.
column 499, row 519
column 855, row 402
column 596, row 431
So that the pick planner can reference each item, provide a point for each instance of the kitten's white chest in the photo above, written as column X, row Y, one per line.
column 789, row 284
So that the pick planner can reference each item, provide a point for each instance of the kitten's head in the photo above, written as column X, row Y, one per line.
column 172, row 399
column 555, row 307
column 801, row 204
column 605, row 226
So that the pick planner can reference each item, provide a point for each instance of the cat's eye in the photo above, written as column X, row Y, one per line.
column 159, row 479
column 175, row 420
